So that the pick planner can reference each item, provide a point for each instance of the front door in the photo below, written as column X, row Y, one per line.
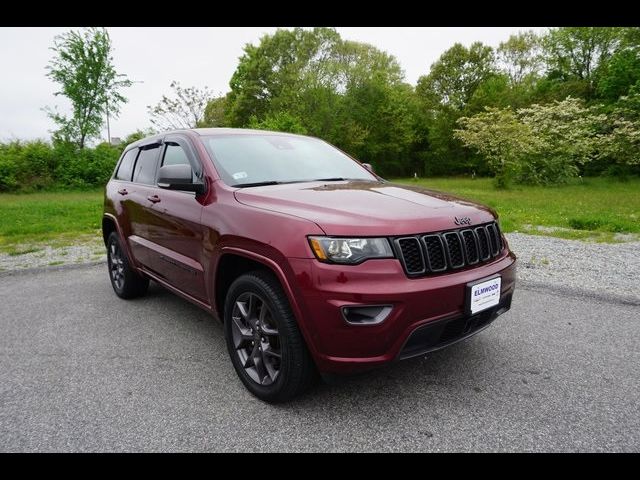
column 176, row 230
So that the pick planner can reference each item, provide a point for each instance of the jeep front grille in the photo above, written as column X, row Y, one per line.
column 449, row 250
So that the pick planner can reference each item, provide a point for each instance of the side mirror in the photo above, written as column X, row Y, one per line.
column 178, row 177
column 368, row 166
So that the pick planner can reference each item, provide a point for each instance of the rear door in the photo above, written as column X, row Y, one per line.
column 139, row 200
column 176, row 232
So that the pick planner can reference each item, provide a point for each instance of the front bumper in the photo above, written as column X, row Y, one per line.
column 428, row 313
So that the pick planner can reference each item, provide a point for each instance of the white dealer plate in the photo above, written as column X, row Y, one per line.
column 484, row 295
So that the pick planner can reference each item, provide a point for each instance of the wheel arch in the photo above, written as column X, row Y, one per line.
column 253, row 261
column 110, row 225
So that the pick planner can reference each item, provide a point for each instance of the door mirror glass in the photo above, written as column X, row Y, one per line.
column 368, row 166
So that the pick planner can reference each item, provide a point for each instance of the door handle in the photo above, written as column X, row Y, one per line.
column 153, row 198
column 123, row 191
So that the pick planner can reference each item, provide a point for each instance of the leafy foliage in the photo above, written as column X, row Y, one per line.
column 29, row 166
column 541, row 144
column 312, row 81
column 83, row 66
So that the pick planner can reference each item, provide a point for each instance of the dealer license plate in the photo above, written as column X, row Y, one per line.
column 484, row 294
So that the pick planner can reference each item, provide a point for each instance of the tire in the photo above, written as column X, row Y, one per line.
column 273, row 331
column 126, row 282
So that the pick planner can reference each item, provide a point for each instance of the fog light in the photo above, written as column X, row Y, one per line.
column 366, row 314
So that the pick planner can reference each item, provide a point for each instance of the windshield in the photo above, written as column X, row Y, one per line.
column 254, row 159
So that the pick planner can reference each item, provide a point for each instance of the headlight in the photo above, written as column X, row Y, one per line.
column 350, row 250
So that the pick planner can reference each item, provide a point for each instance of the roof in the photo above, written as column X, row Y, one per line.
column 206, row 132
column 236, row 131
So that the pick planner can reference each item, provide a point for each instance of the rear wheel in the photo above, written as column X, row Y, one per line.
column 265, row 345
column 126, row 282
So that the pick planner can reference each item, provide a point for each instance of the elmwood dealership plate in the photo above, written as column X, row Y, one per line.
column 483, row 294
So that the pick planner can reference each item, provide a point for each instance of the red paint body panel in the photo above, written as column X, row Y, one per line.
column 180, row 240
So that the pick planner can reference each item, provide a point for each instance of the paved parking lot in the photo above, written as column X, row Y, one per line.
column 81, row 370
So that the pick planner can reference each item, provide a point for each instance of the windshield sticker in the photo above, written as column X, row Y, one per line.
column 239, row 175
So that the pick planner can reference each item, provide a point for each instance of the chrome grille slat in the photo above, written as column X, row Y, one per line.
column 448, row 250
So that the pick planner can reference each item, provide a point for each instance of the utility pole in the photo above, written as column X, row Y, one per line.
column 108, row 128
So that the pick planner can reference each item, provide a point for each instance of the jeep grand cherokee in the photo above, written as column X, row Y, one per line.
column 312, row 262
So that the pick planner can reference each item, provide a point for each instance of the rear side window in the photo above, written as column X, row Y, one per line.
column 145, row 171
column 126, row 165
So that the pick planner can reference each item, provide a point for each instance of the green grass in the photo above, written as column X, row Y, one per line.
column 595, row 209
column 55, row 218
column 591, row 209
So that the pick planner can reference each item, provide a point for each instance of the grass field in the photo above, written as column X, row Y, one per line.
column 27, row 220
column 596, row 209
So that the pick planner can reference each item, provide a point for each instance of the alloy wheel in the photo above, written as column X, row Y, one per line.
column 116, row 265
column 256, row 338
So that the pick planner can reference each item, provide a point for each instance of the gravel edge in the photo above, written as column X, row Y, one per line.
column 558, row 290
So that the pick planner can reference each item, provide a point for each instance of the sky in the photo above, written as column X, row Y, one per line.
column 154, row 56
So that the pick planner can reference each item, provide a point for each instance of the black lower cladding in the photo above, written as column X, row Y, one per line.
column 439, row 334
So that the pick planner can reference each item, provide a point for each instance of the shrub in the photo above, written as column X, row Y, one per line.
column 540, row 145
column 27, row 166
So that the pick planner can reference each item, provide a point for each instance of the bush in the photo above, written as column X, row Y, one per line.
column 538, row 145
column 36, row 165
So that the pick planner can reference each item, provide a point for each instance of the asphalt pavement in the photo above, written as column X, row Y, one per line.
column 81, row 370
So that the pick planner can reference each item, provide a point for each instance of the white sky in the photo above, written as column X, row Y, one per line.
column 193, row 56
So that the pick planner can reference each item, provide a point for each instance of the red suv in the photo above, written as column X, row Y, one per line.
column 312, row 262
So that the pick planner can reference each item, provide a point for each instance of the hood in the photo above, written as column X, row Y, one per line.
column 366, row 208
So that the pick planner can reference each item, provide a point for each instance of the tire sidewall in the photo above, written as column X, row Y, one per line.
column 242, row 285
column 114, row 238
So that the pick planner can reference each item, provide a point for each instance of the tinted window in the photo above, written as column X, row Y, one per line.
column 145, row 171
column 245, row 159
column 126, row 165
column 174, row 154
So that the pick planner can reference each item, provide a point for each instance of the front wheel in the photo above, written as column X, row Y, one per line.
column 126, row 282
column 265, row 345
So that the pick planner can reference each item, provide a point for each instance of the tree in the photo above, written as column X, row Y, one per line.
column 574, row 53
column 501, row 138
column 619, row 146
column 619, row 74
column 279, row 122
column 186, row 109
column 83, row 66
column 454, row 77
column 541, row 144
column 521, row 56
column 444, row 95
column 215, row 112
column 270, row 77
column 349, row 93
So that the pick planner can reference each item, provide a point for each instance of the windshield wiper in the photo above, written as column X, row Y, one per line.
column 258, row 184
column 341, row 179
